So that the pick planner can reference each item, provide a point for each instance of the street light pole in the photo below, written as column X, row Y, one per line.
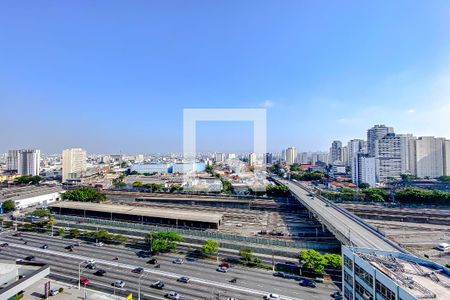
column 79, row 275
column 139, row 286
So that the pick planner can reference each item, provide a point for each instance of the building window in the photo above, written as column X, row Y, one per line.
column 348, row 262
column 348, row 294
column 363, row 275
column 348, row 278
column 383, row 291
column 362, row 292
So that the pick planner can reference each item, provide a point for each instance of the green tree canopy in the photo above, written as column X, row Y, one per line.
column 84, row 194
column 308, row 176
column 162, row 241
column 137, row 184
column 28, row 179
column 313, row 260
column 41, row 212
column 364, row 185
column 333, row 260
column 8, row 206
column 210, row 247
column 277, row 190
column 74, row 233
column 419, row 196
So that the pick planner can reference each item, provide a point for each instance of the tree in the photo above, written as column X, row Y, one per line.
column 227, row 187
column 162, row 241
column 210, row 247
column 313, row 260
column 444, row 178
column 308, row 176
column 295, row 168
column 41, row 212
column 74, row 233
column 277, row 190
column 28, row 179
column 8, row 205
column 60, row 231
column 209, row 169
column 364, row 185
column 84, row 194
column 137, row 184
column 121, row 239
column 333, row 260
column 419, row 196
column 246, row 255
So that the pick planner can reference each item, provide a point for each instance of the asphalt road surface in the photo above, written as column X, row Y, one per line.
column 206, row 282
column 358, row 234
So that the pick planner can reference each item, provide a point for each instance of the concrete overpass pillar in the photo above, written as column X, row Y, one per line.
column 323, row 228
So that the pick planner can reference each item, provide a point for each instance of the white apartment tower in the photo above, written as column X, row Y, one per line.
column 291, row 155
column 73, row 163
column 392, row 153
column 364, row 169
column 375, row 133
column 429, row 157
column 28, row 162
column 447, row 158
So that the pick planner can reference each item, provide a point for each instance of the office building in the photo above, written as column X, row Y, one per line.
column 429, row 157
column 372, row 275
column 364, row 169
column 73, row 164
column 375, row 133
column 291, row 155
column 336, row 152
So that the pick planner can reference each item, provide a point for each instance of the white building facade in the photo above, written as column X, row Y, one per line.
column 73, row 163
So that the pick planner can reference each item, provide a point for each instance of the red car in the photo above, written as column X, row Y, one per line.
column 84, row 281
column 225, row 264
column 17, row 234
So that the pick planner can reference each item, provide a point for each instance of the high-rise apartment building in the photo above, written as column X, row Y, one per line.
column 364, row 169
column 375, row 133
column 291, row 155
column 355, row 146
column 303, row 158
column 429, row 157
column 344, row 156
column 28, row 162
column 392, row 154
column 269, row 158
column 336, row 151
column 322, row 157
column 12, row 160
column 219, row 157
column 447, row 158
column 73, row 163
column 252, row 159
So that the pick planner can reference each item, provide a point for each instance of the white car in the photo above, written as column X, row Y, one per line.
column 54, row 292
column 173, row 295
column 222, row 269
column 178, row 261
column 100, row 244
column 119, row 283
column 271, row 296
column 90, row 261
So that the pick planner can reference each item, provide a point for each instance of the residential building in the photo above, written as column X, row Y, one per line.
column 303, row 158
column 364, row 169
column 393, row 156
column 336, row 151
column 12, row 160
column 73, row 164
column 291, row 155
column 429, row 157
column 320, row 157
column 447, row 157
column 28, row 162
column 373, row 274
column 252, row 159
column 269, row 158
column 219, row 157
column 355, row 146
column 344, row 156
column 375, row 133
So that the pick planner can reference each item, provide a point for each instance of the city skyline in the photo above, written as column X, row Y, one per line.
column 78, row 78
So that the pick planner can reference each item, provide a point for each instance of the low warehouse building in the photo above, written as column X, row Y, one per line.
column 139, row 214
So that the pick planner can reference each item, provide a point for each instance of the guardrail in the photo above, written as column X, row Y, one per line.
column 339, row 235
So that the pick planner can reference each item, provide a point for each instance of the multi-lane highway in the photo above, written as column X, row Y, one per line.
column 344, row 224
column 206, row 282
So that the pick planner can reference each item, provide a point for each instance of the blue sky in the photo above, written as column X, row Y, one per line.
column 114, row 76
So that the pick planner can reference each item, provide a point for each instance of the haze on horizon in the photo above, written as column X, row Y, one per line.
column 115, row 76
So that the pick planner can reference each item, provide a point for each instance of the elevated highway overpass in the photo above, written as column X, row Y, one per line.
column 345, row 226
